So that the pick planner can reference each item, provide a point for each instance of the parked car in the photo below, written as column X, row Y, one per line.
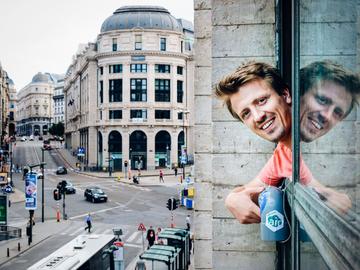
column 47, row 147
column 40, row 175
column 69, row 188
column 61, row 170
column 31, row 138
column 23, row 139
column 40, row 138
column 95, row 194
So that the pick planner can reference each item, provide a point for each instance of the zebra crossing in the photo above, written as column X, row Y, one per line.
column 130, row 237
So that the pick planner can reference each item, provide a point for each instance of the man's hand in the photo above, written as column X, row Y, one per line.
column 242, row 203
column 338, row 201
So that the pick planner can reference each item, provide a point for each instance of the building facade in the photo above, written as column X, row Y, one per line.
column 59, row 101
column 12, row 108
column 5, row 85
column 35, row 106
column 130, row 95
column 227, row 154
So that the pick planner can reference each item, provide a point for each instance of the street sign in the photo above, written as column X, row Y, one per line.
column 141, row 227
column 3, row 209
column 81, row 152
column 8, row 189
column 31, row 191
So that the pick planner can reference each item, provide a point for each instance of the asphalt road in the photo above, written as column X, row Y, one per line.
column 127, row 207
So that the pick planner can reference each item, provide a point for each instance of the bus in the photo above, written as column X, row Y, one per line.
column 85, row 252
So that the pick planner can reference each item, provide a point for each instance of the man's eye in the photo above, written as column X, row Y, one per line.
column 322, row 100
column 245, row 114
column 262, row 101
column 339, row 113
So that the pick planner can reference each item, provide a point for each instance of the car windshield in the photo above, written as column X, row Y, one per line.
column 98, row 191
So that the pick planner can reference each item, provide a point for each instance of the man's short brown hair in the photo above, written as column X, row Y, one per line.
column 248, row 72
column 321, row 71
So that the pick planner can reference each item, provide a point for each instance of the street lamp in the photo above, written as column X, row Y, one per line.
column 184, row 113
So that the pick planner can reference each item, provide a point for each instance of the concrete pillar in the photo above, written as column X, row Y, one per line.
column 125, row 135
column 174, row 145
column 151, row 149
column 92, row 151
column 105, row 134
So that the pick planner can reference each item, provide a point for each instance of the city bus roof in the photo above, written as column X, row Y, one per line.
column 75, row 253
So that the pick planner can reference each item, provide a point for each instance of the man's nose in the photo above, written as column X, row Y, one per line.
column 325, row 115
column 259, row 116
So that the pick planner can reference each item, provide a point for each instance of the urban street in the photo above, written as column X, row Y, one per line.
column 127, row 206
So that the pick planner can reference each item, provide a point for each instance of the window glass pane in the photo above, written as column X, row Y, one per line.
column 138, row 89
column 162, row 90
column 328, row 86
column 115, row 90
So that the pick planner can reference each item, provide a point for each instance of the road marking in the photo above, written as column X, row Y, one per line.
column 132, row 237
column 77, row 231
column 95, row 212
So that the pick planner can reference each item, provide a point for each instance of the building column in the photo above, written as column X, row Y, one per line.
column 92, row 151
column 125, row 135
column 174, row 146
column 105, row 134
column 150, row 149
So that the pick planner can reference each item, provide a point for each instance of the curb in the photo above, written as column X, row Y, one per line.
column 24, row 250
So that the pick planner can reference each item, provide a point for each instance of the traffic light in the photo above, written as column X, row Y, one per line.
column 57, row 194
column 63, row 186
column 169, row 204
column 175, row 204
column 25, row 171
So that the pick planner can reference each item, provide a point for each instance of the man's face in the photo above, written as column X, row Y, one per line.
column 262, row 109
column 322, row 107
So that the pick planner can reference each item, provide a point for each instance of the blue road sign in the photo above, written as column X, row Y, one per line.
column 31, row 191
column 81, row 152
column 8, row 189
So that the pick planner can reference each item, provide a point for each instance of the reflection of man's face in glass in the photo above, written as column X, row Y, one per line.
column 321, row 108
column 262, row 110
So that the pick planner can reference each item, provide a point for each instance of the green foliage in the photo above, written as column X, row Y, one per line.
column 57, row 129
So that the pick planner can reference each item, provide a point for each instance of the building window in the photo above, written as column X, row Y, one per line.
column 162, row 68
column 180, row 91
column 180, row 115
column 101, row 70
column 138, row 68
column 138, row 114
column 115, row 90
column 162, row 90
column 162, row 44
column 138, row 90
column 115, row 68
column 115, row 114
column 101, row 91
column 114, row 44
column 182, row 46
column 162, row 114
column 138, row 42
column 100, row 115
column 179, row 70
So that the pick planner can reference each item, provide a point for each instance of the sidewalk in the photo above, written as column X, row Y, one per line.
column 41, row 232
column 147, row 177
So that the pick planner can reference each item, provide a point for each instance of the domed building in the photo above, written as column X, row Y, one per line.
column 129, row 96
column 34, row 112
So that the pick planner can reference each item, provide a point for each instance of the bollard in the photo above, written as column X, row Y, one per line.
column 58, row 215
column 19, row 248
column 9, row 203
column 8, row 252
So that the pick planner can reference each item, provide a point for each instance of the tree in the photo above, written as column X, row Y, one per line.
column 57, row 129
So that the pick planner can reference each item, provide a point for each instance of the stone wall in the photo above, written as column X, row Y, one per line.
column 228, row 33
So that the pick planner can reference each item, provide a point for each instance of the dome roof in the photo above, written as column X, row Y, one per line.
column 40, row 77
column 10, row 81
column 147, row 17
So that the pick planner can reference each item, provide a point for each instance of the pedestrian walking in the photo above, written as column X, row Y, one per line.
column 161, row 176
column 157, row 240
column 150, row 236
column 88, row 222
column 175, row 170
column 188, row 222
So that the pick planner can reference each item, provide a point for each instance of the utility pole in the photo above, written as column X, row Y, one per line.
column 11, row 162
column 42, row 185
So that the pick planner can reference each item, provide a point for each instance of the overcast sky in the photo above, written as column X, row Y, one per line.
column 42, row 35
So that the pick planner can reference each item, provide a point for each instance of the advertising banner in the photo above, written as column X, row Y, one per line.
column 3, row 209
column 31, row 191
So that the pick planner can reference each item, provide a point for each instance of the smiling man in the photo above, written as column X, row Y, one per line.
column 256, row 95
column 328, row 94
